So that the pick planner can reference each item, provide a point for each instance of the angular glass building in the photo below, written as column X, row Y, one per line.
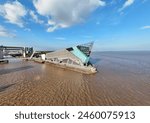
column 75, row 57
column 82, row 52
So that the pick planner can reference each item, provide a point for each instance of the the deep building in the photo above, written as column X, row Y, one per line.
column 76, row 58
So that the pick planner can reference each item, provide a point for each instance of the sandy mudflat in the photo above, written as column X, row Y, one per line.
column 123, row 79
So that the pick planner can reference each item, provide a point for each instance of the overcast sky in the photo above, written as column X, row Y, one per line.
column 54, row 24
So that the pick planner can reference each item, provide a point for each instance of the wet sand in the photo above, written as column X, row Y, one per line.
column 123, row 78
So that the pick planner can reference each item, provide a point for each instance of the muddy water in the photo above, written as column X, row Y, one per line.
column 123, row 78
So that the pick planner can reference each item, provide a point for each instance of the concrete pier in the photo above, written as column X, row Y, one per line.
column 15, row 51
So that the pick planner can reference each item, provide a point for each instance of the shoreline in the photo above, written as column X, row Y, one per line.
column 121, row 80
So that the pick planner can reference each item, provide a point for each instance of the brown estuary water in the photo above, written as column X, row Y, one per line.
column 123, row 78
